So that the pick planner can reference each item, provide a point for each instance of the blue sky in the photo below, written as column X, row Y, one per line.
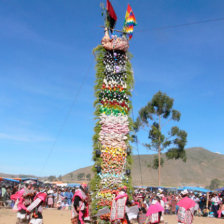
column 46, row 57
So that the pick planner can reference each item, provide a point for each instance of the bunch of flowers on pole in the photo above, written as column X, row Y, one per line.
column 111, row 147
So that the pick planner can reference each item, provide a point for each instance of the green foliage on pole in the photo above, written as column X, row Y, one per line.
column 99, row 53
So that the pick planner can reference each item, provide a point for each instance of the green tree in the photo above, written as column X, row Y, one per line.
column 215, row 183
column 80, row 176
column 88, row 176
column 52, row 178
column 156, row 116
column 155, row 163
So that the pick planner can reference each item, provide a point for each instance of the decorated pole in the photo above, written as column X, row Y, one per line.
column 113, row 85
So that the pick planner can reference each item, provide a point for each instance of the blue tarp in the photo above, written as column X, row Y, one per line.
column 220, row 189
column 73, row 185
column 29, row 178
column 199, row 189
column 144, row 187
column 12, row 180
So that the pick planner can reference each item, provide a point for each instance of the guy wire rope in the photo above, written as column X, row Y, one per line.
column 66, row 117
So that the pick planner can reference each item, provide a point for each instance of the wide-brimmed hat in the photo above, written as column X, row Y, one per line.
column 184, row 192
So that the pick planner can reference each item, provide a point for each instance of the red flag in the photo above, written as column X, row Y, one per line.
column 111, row 15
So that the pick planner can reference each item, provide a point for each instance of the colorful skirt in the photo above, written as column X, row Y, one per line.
column 36, row 221
column 22, row 218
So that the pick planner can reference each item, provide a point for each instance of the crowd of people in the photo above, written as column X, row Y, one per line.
column 203, row 207
column 57, row 197
column 29, row 200
column 207, row 205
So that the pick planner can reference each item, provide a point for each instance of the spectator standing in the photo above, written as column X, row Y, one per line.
column 215, row 204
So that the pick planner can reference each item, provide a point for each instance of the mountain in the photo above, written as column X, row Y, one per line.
column 201, row 167
column 16, row 175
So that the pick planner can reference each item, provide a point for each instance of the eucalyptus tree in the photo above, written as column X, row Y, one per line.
column 158, row 116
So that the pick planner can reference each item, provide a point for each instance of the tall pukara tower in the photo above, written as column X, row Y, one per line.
column 113, row 85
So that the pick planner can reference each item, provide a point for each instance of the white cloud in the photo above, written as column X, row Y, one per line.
column 24, row 138
column 22, row 30
column 219, row 153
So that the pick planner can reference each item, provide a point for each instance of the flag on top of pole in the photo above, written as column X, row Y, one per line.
column 111, row 16
column 130, row 22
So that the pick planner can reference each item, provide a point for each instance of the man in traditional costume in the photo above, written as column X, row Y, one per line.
column 23, row 199
column 186, row 209
column 118, row 208
column 36, row 207
column 80, row 201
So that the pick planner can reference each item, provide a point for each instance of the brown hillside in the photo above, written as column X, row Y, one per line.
column 16, row 175
column 201, row 167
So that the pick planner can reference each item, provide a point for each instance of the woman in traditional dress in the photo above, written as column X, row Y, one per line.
column 50, row 198
column 186, row 209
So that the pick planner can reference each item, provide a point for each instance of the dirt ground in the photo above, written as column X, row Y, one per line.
column 53, row 216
